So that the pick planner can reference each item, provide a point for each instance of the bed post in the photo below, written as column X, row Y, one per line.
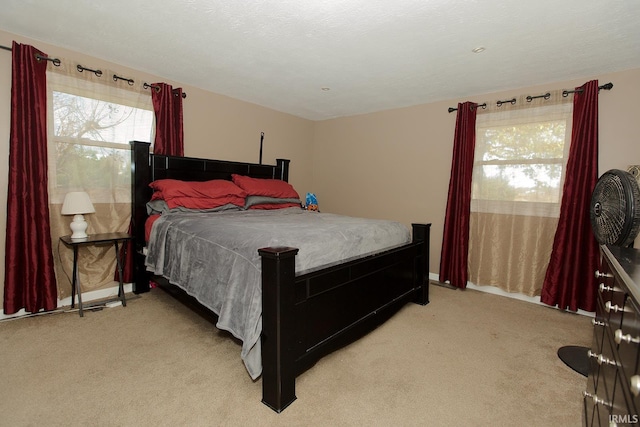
column 283, row 166
column 140, row 194
column 278, row 325
column 421, row 234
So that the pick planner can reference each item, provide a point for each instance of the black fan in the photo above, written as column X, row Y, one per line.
column 615, row 220
column 615, row 208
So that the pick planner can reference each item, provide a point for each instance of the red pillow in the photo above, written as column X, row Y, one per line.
column 265, row 187
column 170, row 188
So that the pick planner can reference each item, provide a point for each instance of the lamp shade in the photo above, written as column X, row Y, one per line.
column 77, row 202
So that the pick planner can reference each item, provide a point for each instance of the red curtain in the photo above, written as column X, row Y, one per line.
column 455, row 240
column 29, row 280
column 169, row 140
column 167, row 103
column 570, row 280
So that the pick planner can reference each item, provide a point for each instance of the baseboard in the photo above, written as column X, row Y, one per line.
column 497, row 291
column 105, row 293
column 433, row 277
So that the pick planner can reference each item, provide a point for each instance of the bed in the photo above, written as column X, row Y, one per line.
column 308, row 307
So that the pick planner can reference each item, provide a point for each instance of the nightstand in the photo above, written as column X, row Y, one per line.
column 95, row 240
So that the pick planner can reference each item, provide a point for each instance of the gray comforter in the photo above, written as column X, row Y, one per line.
column 214, row 257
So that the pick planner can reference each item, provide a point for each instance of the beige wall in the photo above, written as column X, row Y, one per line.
column 396, row 164
column 215, row 126
column 392, row 164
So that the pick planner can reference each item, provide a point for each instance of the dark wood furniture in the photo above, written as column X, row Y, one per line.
column 613, row 384
column 96, row 239
column 304, row 315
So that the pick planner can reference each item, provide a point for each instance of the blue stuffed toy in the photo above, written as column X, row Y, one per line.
column 312, row 202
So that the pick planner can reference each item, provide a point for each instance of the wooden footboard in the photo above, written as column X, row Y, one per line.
column 307, row 316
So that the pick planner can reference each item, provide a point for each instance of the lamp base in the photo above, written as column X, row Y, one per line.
column 79, row 227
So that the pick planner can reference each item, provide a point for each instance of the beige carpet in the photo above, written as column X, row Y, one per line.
column 466, row 359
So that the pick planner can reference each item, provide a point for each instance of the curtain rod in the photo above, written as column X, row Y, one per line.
column 565, row 93
column 39, row 57
column 98, row 73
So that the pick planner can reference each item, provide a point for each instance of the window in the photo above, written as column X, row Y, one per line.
column 518, row 177
column 90, row 130
column 91, row 119
column 519, row 160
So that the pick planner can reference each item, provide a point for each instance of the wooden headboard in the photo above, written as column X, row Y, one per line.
column 147, row 167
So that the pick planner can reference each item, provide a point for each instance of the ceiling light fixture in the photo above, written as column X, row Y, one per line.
column 478, row 50
column 325, row 88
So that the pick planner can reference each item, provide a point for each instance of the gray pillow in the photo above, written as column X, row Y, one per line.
column 260, row 200
column 159, row 206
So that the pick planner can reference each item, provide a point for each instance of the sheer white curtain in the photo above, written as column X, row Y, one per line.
column 92, row 116
column 520, row 159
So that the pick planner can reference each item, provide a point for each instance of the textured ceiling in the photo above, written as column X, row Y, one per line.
column 372, row 54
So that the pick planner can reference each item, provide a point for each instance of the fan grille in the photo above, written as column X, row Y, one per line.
column 615, row 208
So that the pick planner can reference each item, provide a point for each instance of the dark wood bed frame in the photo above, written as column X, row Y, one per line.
column 305, row 315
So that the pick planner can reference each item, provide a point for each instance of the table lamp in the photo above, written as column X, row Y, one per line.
column 77, row 203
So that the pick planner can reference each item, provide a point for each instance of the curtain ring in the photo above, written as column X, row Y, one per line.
column 511, row 101
column 80, row 69
column 154, row 87
column 55, row 61
column 129, row 81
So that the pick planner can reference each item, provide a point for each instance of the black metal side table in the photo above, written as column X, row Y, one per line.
column 96, row 239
